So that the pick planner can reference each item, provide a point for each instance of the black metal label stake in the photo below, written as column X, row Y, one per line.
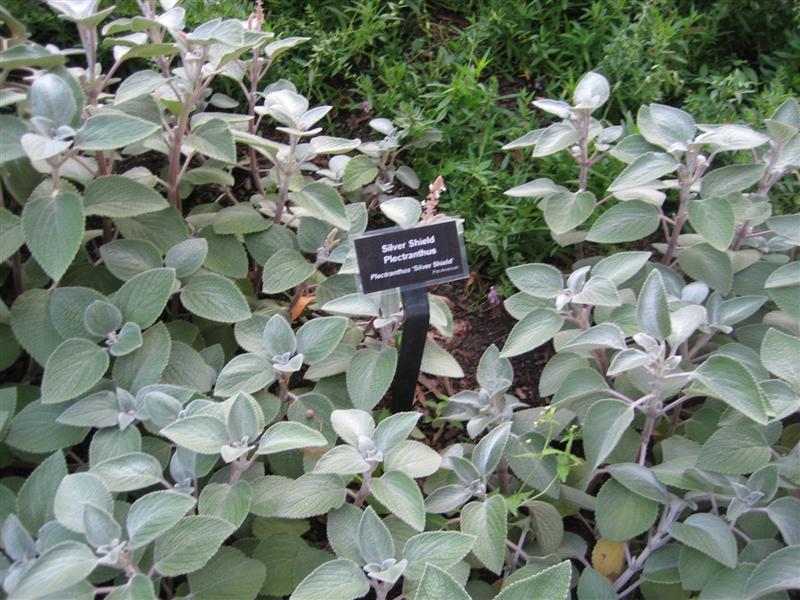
column 411, row 259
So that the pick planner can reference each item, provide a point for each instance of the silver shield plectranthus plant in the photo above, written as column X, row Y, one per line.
column 194, row 381
column 675, row 362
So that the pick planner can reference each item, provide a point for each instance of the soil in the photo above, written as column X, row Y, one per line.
column 477, row 325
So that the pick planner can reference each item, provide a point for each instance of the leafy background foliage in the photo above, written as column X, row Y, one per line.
column 196, row 383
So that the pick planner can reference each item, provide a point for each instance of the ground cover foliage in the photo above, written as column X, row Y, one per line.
column 470, row 70
column 194, row 406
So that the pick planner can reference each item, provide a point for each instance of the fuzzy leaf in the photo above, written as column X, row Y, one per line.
column 155, row 513
column 216, row 298
column 229, row 574
column 111, row 131
column 128, row 472
column 730, row 381
column 652, row 310
column 58, row 568
column 536, row 328
column 340, row 579
column 369, row 376
column 438, row 583
column 621, row 514
column 199, row 433
column 190, row 544
column 401, row 495
column 72, row 369
column 143, row 297
column 247, row 373
column 624, row 222
column 284, row 270
column 486, row 521
column 117, row 196
column 288, row 435
column 53, row 226
column 708, row 534
column 550, row 584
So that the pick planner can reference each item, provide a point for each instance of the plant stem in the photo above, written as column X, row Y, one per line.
column 680, row 218
column 699, row 344
column 502, row 477
column 286, row 175
column 647, row 433
column 16, row 270
column 363, row 491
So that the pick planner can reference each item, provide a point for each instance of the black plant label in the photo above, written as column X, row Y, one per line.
column 414, row 257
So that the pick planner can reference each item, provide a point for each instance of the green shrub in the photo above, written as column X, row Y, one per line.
column 196, row 379
column 674, row 367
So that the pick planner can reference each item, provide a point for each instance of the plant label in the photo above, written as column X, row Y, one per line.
column 415, row 257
